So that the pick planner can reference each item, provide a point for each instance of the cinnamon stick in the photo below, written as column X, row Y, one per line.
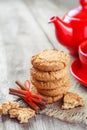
column 35, row 101
column 33, row 105
column 20, row 84
column 16, row 94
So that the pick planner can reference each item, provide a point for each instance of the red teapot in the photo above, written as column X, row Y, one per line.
column 72, row 29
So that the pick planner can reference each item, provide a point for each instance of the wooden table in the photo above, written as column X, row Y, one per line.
column 24, row 31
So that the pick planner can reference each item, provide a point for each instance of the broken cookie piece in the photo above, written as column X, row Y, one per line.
column 22, row 114
column 72, row 100
column 5, row 107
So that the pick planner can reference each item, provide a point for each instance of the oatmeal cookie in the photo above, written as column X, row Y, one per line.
column 50, row 60
column 48, row 76
column 54, row 92
column 48, row 98
column 50, row 85
column 72, row 100
column 5, row 107
column 22, row 114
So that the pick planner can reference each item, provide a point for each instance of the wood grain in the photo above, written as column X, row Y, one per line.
column 24, row 31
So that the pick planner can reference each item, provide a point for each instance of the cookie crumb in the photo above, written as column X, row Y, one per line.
column 5, row 107
column 22, row 114
column 72, row 100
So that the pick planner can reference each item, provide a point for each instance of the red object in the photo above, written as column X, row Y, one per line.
column 35, row 101
column 83, row 54
column 72, row 29
column 28, row 95
column 78, row 72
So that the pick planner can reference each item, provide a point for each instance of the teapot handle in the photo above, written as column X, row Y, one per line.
column 83, row 3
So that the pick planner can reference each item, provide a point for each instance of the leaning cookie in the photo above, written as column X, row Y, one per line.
column 52, row 84
column 50, row 60
column 72, row 100
column 48, row 76
column 48, row 98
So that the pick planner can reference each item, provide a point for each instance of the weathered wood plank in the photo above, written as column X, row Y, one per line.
column 41, row 11
column 21, row 35
column 69, row 4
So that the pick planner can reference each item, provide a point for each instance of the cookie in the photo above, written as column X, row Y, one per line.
column 48, row 98
column 50, row 60
column 48, row 76
column 22, row 114
column 50, row 85
column 72, row 100
column 6, row 106
column 54, row 92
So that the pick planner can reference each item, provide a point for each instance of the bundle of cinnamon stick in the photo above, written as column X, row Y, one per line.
column 35, row 101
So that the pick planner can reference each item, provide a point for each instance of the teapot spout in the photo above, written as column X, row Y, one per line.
column 53, row 19
column 63, row 31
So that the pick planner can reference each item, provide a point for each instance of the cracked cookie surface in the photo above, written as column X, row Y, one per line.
column 22, row 114
column 72, row 100
column 54, row 92
column 6, row 106
column 50, row 60
column 48, row 98
column 51, row 84
column 48, row 76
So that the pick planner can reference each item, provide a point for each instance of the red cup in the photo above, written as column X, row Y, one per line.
column 83, row 54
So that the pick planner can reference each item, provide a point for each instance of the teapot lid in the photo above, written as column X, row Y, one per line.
column 79, row 13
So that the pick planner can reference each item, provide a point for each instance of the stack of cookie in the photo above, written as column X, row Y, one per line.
column 49, row 74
